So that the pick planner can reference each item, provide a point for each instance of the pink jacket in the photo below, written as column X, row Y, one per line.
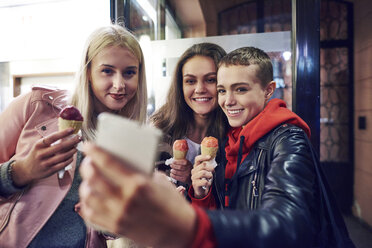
column 27, row 119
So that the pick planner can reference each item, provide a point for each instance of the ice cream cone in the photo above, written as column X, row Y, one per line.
column 209, row 146
column 63, row 124
column 70, row 117
column 180, row 149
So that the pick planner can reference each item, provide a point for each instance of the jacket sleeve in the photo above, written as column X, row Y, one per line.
column 12, row 121
column 286, row 216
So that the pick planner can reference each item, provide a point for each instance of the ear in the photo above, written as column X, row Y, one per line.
column 269, row 90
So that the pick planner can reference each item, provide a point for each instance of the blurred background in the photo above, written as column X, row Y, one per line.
column 321, row 51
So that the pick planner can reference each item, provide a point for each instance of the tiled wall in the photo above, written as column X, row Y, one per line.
column 363, row 108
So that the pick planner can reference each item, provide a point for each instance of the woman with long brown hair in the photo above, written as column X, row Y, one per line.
column 191, row 111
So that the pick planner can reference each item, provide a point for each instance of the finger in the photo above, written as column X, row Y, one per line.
column 50, row 139
column 101, row 186
column 178, row 178
column 206, row 165
column 181, row 189
column 180, row 161
column 118, row 173
column 86, row 169
column 159, row 176
column 59, row 166
column 201, row 175
column 60, row 147
column 201, row 167
column 90, row 197
column 200, row 159
column 63, row 145
column 179, row 173
column 95, row 180
column 205, row 174
column 203, row 182
column 162, row 179
column 182, row 167
column 91, row 206
column 58, row 158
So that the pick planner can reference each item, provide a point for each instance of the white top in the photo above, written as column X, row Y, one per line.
column 194, row 150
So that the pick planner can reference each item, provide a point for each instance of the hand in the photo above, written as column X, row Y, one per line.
column 122, row 201
column 181, row 170
column 181, row 190
column 45, row 159
column 201, row 176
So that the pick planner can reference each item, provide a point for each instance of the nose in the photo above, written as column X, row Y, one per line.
column 229, row 99
column 119, row 82
column 200, row 87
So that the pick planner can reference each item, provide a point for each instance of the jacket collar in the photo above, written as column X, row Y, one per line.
column 56, row 97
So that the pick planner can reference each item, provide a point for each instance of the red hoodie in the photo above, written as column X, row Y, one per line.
column 274, row 114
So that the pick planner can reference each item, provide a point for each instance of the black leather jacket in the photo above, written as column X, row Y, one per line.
column 274, row 194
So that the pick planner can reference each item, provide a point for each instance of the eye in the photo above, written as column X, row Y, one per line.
column 211, row 80
column 241, row 89
column 221, row 91
column 189, row 81
column 129, row 73
column 107, row 71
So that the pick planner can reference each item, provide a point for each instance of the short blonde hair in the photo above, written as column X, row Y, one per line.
column 83, row 97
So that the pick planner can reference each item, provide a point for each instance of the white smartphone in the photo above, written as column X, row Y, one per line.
column 128, row 140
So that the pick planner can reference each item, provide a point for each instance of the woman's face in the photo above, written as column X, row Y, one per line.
column 199, row 84
column 240, row 94
column 113, row 78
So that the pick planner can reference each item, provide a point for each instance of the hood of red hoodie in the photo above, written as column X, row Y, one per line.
column 274, row 114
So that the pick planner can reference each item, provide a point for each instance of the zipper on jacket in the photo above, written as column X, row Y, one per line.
column 255, row 182
column 218, row 193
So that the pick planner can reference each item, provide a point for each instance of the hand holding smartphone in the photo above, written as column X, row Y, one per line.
column 127, row 139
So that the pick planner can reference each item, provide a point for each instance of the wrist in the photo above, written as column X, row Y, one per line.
column 183, row 228
column 200, row 193
column 7, row 185
column 16, row 175
column 190, row 227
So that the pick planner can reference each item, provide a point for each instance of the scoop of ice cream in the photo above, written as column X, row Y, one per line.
column 71, row 113
column 210, row 142
column 180, row 145
column 209, row 146
column 180, row 149
column 70, row 117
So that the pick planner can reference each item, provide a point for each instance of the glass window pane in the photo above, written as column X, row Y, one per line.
column 42, row 41
column 200, row 21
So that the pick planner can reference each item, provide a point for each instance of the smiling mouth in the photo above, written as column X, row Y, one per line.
column 202, row 99
column 233, row 112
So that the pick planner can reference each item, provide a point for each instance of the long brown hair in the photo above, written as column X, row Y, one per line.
column 175, row 116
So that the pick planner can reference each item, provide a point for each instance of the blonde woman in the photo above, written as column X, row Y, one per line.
column 37, row 209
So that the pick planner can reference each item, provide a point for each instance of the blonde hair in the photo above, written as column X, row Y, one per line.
column 83, row 97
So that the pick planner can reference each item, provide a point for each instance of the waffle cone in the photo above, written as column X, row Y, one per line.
column 212, row 151
column 63, row 124
column 177, row 154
